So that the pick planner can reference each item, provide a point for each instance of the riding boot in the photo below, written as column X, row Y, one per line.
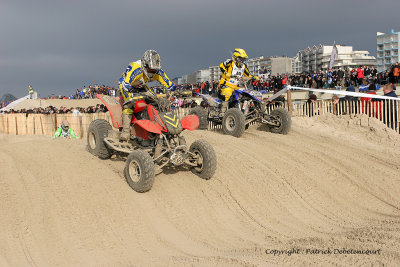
column 126, row 127
column 224, row 107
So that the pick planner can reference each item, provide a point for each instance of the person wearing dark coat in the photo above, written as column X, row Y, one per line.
column 352, row 100
column 390, row 107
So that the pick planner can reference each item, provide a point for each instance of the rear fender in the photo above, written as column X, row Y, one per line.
column 190, row 122
column 114, row 107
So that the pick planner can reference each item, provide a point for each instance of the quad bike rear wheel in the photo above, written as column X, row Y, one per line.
column 139, row 171
column 97, row 131
column 203, row 117
column 206, row 159
column 284, row 120
column 234, row 122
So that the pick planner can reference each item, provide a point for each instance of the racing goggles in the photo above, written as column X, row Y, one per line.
column 241, row 60
column 149, row 70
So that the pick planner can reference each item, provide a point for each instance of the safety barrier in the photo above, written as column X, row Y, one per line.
column 42, row 124
column 387, row 111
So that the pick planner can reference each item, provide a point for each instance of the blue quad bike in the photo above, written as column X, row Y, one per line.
column 244, row 107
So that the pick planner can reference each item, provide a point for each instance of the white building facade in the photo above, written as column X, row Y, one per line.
column 254, row 65
column 317, row 58
column 296, row 65
column 215, row 73
column 387, row 48
column 202, row 75
column 276, row 65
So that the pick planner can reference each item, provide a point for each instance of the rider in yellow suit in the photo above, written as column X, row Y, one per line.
column 134, row 79
column 232, row 70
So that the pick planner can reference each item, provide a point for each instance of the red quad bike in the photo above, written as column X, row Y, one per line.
column 155, row 142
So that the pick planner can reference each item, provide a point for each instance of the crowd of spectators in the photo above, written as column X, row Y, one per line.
column 4, row 103
column 331, row 79
column 365, row 78
column 92, row 90
column 62, row 110
column 87, row 92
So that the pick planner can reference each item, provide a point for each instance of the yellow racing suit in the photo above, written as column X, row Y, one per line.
column 230, row 77
column 134, row 77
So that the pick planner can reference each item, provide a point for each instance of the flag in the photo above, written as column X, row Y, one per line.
column 333, row 56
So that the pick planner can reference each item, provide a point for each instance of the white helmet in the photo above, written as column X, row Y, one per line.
column 151, row 63
column 65, row 125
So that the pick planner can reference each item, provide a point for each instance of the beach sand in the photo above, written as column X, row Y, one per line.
column 330, row 184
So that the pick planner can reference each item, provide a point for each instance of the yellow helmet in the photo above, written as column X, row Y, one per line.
column 239, row 56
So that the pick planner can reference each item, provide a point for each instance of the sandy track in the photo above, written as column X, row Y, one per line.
column 322, row 186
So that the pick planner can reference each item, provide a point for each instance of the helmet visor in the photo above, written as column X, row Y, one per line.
column 241, row 60
column 150, row 70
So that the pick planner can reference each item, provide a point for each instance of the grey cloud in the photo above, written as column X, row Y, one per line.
column 59, row 46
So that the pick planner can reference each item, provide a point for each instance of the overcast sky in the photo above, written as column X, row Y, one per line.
column 59, row 46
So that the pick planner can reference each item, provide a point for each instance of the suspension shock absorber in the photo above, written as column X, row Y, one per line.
column 158, row 147
column 182, row 140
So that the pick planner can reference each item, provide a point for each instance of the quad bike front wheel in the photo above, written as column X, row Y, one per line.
column 234, row 122
column 283, row 119
column 139, row 171
column 97, row 131
column 205, row 158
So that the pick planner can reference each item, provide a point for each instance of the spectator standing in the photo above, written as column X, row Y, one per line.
column 360, row 75
column 310, row 105
column 30, row 90
column 373, row 71
column 396, row 72
column 390, row 107
column 372, row 105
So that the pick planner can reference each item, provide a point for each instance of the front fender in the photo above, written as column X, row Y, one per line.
column 149, row 126
column 190, row 122
column 245, row 93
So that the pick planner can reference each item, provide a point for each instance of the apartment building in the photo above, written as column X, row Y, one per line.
column 387, row 48
column 202, row 75
column 254, row 65
column 318, row 57
column 215, row 73
column 275, row 65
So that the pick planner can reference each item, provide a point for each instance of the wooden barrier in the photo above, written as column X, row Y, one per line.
column 387, row 111
column 3, row 124
column 21, row 124
column 12, row 124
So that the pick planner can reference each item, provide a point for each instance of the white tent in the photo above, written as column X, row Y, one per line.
column 14, row 103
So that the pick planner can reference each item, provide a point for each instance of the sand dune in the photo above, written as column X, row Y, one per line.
column 329, row 184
